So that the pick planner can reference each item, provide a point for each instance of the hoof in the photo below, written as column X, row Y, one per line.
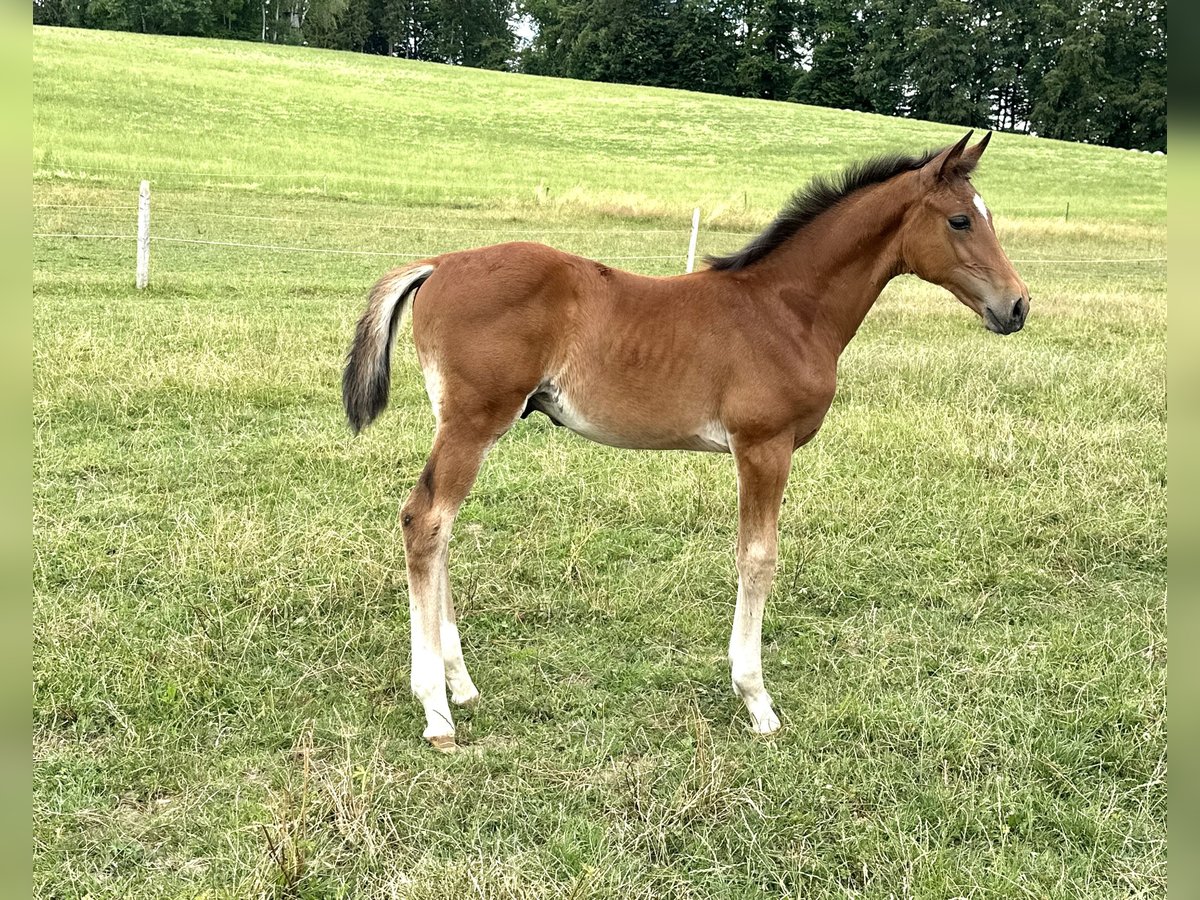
column 469, row 701
column 767, row 725
column 443, row 743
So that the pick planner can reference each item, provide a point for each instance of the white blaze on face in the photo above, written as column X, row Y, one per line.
column 982, row 207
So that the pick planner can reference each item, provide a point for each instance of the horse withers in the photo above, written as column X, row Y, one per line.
column 740, row 357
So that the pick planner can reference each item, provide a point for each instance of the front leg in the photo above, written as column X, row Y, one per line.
column 762, row 469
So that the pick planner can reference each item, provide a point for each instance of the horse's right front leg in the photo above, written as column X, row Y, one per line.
column 762, row 468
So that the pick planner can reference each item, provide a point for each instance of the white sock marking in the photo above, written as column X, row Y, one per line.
column 755, row 574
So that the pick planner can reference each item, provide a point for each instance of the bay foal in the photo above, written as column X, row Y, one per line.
column 738, row 358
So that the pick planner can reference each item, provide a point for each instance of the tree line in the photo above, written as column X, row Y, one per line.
column 1079, row 70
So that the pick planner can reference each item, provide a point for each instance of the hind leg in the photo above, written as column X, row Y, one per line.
column 427, row 517
column 462, row 689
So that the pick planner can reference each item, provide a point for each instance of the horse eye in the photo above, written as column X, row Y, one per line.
column 960, row 223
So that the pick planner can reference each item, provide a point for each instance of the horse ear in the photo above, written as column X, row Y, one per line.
column 970, row 157
column 946, row 163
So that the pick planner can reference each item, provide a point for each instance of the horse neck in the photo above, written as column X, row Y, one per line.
column 833, row 270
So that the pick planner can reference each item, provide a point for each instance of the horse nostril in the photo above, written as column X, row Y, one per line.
column 1018, row 308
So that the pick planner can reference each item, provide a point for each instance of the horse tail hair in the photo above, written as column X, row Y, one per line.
column 367, row 377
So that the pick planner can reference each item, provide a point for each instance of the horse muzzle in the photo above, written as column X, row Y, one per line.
column 1006, row 318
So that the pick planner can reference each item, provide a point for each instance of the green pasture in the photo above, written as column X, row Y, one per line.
column 966, row 641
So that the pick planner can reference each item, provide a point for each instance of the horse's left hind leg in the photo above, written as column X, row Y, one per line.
column 427, row 517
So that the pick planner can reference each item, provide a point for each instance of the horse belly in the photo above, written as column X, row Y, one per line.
column 648, row 425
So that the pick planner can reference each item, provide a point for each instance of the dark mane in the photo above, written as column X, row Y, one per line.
column 819, row 195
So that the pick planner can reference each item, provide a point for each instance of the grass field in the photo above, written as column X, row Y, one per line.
column 966, row 641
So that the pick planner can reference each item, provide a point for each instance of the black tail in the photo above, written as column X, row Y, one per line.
column 367, row 378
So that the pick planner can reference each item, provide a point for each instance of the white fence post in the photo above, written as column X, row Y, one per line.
column 691, row 259
column 143, row 239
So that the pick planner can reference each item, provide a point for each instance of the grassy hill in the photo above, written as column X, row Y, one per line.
column 966, row 640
